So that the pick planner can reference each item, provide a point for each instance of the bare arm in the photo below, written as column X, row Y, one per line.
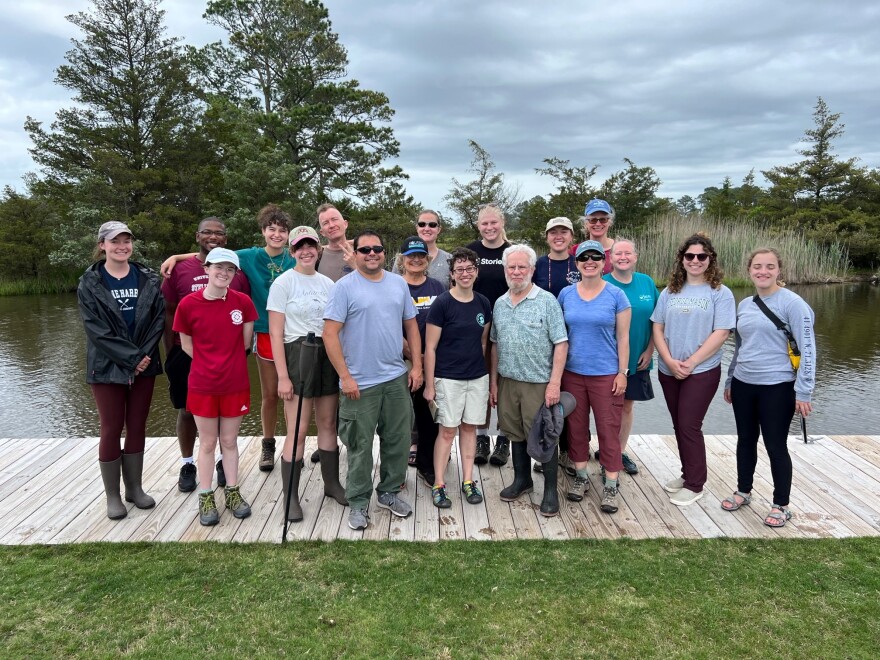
column 416, row 377
column 432, row 338
column 276, row 336
column 186, row 343
column 560, row 355
column 493, row 374
column 647, row 354
column 248, row 332
column 707, row 349
column 334, row 353
column 622, row 335
column 169, row 264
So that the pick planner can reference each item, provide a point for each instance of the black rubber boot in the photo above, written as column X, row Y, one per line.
column 132, row 476
column 116, row 509
column 550, row 502
column 522, row 476
column 296, row 512
column 330, row 474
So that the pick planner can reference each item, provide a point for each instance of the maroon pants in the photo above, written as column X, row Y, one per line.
column 688, row 400
column 594, row 392
column 123, row 406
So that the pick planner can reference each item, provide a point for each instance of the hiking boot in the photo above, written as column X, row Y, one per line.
column 236, row 503
column 439, row 497
column 186, row 482
column 578, row 488
column 609, row 499
column 483, row 449
column 110, row 471
column 685, row 497
column 502, row 451
column 471, row 493
column 394, row 504
column 208, row 514
column 221, row 475
column 426, row 477
column 294, row 510
column 629, row 465
column 132, row 477
column 566, row 463
column 358, row 519
column 522, row 478
column 267, row 456
column 674, row 485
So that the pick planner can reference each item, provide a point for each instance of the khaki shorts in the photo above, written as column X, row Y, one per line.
column 461, row 401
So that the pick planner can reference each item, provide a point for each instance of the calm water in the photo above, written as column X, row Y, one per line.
column 43, row 391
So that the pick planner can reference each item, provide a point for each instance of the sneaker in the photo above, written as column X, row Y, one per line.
column 609, row 500
column 267, row 456
column 579, row 486
column 685, row 497
column 439, row 497
column 208, row 514
column 471, row 493
column 394, row 504
column 483, row 449
column 502, row 451
column 358, row 519
column 674, row 486
column 221, row 475
column 629, row 465
column 426, row 477
column 186, row 483
column 236, row 503
column 596, row 454
column 566, row 464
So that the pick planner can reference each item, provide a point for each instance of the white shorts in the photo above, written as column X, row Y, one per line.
column 461, row 401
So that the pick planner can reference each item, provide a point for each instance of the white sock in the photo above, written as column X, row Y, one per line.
column 187, row 460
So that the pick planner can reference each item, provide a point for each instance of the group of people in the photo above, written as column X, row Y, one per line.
column 423, row 354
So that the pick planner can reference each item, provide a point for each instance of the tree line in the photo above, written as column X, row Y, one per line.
column 162, row 134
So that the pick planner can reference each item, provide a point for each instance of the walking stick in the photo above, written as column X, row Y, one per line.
column 804, row 429
column 308, row 357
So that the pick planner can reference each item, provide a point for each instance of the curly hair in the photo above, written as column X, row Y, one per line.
column 463, row 254
column 272, row 214
column 713, row 273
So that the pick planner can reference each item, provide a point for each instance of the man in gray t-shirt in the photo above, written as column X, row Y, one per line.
column 364, row 320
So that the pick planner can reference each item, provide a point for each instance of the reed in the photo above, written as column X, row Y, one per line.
column 804, row 262
column 35, row 287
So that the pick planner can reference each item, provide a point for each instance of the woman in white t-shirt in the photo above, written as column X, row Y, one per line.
column 296, row 307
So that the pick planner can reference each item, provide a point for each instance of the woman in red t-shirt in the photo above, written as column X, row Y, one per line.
column 216, row 327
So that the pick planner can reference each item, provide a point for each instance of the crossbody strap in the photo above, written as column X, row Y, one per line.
column 792, row 342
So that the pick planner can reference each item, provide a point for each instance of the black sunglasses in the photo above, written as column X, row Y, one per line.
column 690, row 256
column 376, row 249
column 591, row 257
column 428, row 224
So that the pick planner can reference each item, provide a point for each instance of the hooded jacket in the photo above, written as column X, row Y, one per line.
column 111, row 355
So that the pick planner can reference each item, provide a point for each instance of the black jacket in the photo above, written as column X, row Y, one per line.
column 111, row 356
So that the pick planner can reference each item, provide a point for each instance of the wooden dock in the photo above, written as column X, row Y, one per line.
column 51, row 492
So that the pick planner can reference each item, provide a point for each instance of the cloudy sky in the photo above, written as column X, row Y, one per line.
column 697, row 90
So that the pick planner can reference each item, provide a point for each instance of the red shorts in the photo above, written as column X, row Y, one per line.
column 218, row 405
column 263, row 346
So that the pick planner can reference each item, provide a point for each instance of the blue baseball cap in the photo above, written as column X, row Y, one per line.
column 589, row 246
column 413, row 245
column 597, row 205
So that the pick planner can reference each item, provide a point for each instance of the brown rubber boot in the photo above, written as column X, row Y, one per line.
column 330, row 475
column 296, row 512
column 132, row 475
column 116, row 509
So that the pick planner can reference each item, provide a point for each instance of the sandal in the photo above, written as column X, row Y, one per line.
column 731, row 503
column 778, row 516
column 412, row 458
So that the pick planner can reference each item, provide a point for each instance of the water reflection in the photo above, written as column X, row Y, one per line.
column 43, row 391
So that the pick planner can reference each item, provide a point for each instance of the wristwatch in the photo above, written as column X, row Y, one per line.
column 625, row 372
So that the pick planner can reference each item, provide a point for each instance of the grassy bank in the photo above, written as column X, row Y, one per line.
column 36, row 287
column 663, row 598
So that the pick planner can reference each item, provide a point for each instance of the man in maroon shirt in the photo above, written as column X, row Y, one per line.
column 189, row 276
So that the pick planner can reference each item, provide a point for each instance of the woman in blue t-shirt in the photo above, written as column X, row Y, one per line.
column 124, row 315
column 597, row 316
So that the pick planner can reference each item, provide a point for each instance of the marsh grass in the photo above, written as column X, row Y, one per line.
column 34, row 287
column 520, row 599
column 804, row 262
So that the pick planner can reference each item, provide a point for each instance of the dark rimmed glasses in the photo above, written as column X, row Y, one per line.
column 211, row 232
column 690, row 256
column 461, row 271
column 375, row 249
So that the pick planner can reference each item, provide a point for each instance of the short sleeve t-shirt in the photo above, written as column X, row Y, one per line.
column 490, row 280
column 261, row 271
column 188, row 277
column 372, row 335
column 460, row 349
column 219, row 363
column 690, row 316
column 125, row 292
column 592, row 327
column 423, row 297
column 302, row 299
column 333, row 264
column 554, row 275
column 642, row 295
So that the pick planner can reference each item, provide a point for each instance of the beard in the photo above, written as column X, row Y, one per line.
column 517, row 287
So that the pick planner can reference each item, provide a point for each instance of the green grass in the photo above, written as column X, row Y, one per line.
column 35, row 287
column 662, row 598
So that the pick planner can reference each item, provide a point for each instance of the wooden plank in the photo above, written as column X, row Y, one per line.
column 32, row 465
column 848, row 461
column 13, row 453
column 552, row 527
column 866, row 446
column 380, row 519
column 346, row 532
column 427, row 516
column 452, row 519
column 250, row 480
column 501, row 524
column 639, row 504
column 475, row 517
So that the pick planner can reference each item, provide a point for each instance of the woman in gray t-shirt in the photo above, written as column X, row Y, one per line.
column 693, row 317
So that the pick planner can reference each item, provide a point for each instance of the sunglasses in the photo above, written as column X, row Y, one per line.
column 376, row 249
column 432, row 225
column 598, row 221
column 591, row 257
column 690, row 256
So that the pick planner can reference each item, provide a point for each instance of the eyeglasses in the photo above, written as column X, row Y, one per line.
column 598, row 221
column 461, row 271
column 208, row 232
column 432, row 225
column 224, row 269
column 376, row 249
column 690, row 256
column 591, row 257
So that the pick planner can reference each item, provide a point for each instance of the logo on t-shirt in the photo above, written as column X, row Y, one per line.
column 236, row 316
column 481, row 320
